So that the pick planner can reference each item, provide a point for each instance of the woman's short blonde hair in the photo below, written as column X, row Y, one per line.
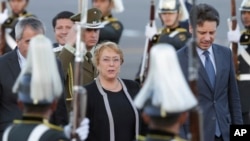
column 103, row 46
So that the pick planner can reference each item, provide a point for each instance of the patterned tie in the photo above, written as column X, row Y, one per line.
column 211, row 74
column 209, row 68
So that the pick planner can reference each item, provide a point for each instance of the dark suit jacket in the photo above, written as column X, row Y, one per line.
column 223, row 101
column 9, row 110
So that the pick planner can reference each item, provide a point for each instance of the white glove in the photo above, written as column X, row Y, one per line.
column 67, row 130
column 150, row 31
column 4, row 16
column 83, row 130
column 233, row 35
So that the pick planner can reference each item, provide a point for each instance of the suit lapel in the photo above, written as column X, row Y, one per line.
column 201, row 70
column 14, row 64
column 218, row 63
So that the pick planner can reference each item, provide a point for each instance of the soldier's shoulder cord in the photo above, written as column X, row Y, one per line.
column 180, row 29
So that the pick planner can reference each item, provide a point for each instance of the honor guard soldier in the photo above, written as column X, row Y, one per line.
column 243, row 40
column 165, row 97
column 18, row 9
column 90, row 36
column 171, row 13
column 113, row 28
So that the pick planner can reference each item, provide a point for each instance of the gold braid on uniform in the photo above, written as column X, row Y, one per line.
column 109, row 18
column 168, row 30
column 70, row 82
column 141, row 138
column 44, row 121
column 113, row 21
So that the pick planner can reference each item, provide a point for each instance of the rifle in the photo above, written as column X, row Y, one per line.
column 80, row 94
column 196, row 112
column 2, row 31
column 234, row 45
column 147, row 47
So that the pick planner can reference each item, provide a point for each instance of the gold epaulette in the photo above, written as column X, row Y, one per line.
column 9, row 22
column 52, row 126
column 168, row 30
column 181, row 29
column 111, row 19
column 27, row 15
column 12, row 20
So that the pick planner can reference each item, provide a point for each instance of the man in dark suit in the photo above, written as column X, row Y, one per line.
column 11, row 65
column 217, row 88
column 90, row 36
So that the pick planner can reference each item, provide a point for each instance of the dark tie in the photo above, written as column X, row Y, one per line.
column 211, row 74
column 88, row 63
column 89, row 56
column 209, row 68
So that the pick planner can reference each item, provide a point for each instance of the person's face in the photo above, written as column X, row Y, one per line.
column 62, row 28
column 90, row 37
column 23, row 43
column 104, row 5
column 205, row 34
column 245, row 17
column 169, row 19
column 18, row 6
column 109, row 64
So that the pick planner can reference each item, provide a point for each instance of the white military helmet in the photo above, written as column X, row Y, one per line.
column 245, row 5
column 172, row 6
column 165, row 91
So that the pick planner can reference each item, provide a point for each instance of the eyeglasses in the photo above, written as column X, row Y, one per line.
column 113, row 60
